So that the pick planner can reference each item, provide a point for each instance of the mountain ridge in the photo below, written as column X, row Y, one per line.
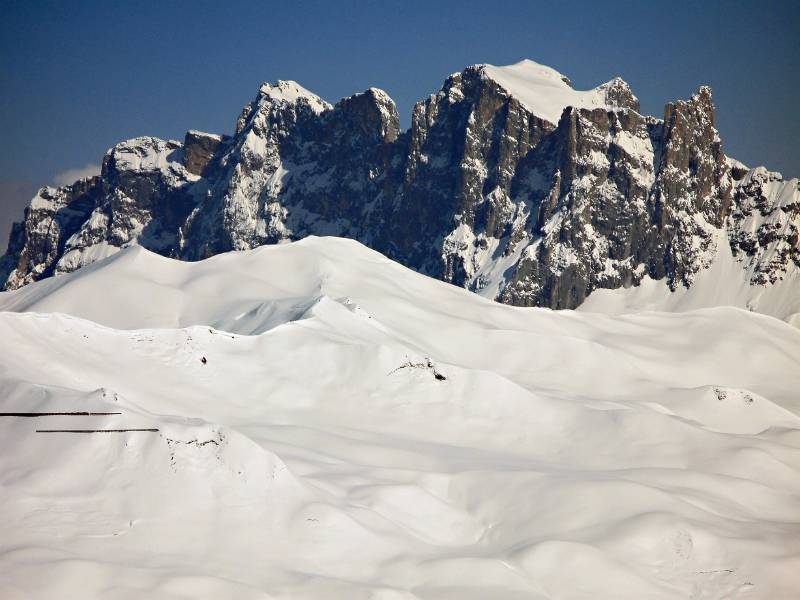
column 480, row 191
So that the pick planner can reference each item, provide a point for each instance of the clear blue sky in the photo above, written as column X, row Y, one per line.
column 77, row 77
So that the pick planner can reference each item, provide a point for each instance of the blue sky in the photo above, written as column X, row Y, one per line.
column 77, row 77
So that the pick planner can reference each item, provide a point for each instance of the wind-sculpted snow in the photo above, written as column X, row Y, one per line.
column 333, row 425
column 546, row 93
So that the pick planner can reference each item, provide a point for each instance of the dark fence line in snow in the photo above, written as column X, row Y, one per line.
column 56, row 414
column 91, row 430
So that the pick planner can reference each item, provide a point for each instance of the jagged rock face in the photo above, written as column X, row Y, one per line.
column 588, row 188
column 765, row 225
column 630, row 196
column 149, row 193
column 200, row 149
column 509, row 183
column 38, row 242
column 693, row 190
column 480, row 165
column 464, row 145
column 296, row 167
column 143, row 195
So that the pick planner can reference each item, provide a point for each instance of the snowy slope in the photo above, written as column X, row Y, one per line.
column 333, row 425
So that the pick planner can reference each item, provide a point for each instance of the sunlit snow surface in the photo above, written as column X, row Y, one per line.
column 359, row 431
column 543, row 90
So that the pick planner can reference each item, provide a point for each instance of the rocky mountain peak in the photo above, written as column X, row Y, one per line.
column 145, row 153
column 618, row 94
column 276, row 98
column 373, row 113
column 290, row 92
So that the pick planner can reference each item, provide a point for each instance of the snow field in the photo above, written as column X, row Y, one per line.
column 332, row 425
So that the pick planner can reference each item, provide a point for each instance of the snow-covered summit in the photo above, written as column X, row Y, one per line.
column 146, row 153
column 545, row 92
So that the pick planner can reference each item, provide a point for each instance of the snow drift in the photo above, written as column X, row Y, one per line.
column 315, row 421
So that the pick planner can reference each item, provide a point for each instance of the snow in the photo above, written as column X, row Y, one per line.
column 147, row 154
column 81, row 257
column 213, row 136
column 47, row 198
column 307, row 449
column 732, row 162
column 542, row 90
column 640, row 147
column 493, row 266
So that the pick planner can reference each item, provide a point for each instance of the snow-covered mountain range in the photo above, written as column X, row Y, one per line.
column 509, row 183
column 314, row 421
